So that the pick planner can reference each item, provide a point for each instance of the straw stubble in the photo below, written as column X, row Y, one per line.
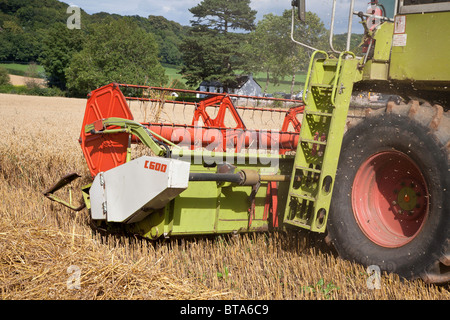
column 48, row 252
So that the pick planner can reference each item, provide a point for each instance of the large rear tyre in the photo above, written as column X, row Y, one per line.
column 391, row 204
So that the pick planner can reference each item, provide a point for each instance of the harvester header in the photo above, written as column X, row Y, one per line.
column 216, row 125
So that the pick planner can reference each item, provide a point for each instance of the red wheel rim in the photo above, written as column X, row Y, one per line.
column 390, row 199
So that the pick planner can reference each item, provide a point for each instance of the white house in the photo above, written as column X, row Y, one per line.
column 244, row 85
column 209, row 86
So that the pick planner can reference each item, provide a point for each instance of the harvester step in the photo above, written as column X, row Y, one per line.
column 308, row 169
column 301, row 196
column 314, row 141
column 322, row 85
column 298, row 223
column 330, row 62
column 318, row 113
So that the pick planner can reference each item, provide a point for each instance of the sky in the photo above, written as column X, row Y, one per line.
column 178, row 10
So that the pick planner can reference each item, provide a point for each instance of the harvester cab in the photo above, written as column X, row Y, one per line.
column 376, row 181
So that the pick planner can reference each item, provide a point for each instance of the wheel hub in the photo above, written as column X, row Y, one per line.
column 410, row 200
column 390, row 199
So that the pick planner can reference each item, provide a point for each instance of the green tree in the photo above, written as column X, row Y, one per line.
column 58, row 47
column 23, row 24
column 340, row 42
column 206, row 56
column 264, row 48
column 8, row 31
column 17, row 44
column 116, row 52
column 211, row 51
column 272, row 50
column 169, row 36
column 311, row 32
column 222, row 15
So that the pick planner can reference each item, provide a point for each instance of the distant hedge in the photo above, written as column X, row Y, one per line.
column 4, row 76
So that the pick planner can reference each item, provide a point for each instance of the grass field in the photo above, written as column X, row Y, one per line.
column 23, row 69
column 173, row 74
column 45, row 247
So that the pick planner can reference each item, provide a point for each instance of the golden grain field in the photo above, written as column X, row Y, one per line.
column 43, row 245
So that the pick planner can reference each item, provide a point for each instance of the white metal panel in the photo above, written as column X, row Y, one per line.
column 97, row 198
column 133, row 189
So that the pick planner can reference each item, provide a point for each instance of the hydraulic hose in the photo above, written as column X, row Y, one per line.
column 242, row 178
column 219, row 177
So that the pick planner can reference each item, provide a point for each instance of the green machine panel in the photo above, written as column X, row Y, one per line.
column 420, row 47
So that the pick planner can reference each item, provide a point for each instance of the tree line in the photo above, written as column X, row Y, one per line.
column 223, row 40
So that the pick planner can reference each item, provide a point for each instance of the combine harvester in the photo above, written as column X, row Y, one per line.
column 378, row 185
